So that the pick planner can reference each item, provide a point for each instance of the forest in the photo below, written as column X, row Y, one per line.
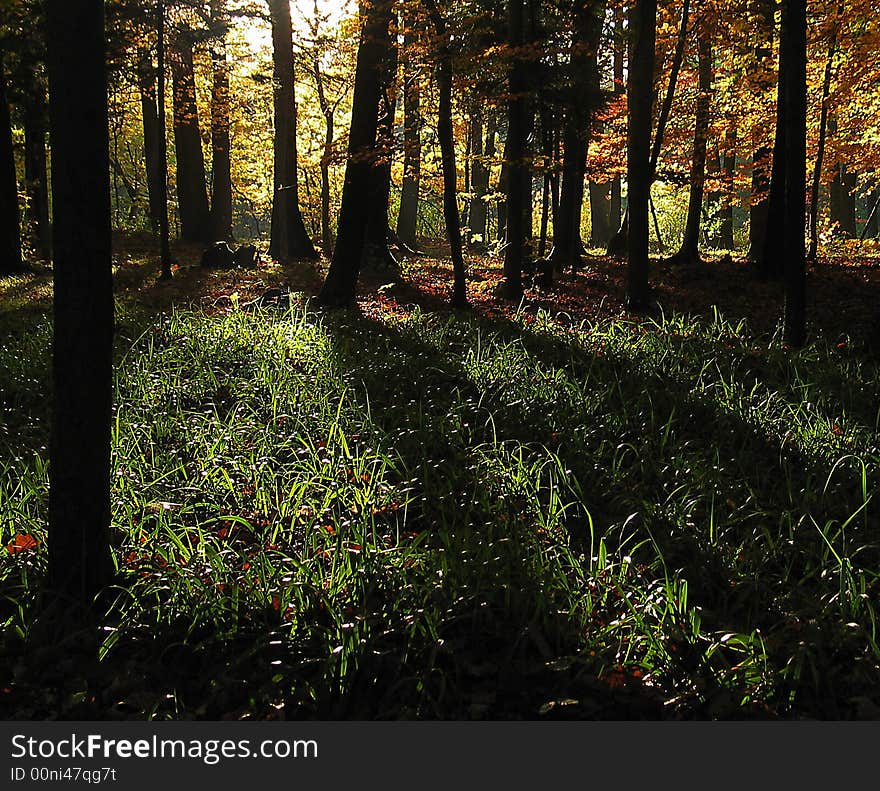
column 439, row 360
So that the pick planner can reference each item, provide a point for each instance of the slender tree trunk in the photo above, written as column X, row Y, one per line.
column 689, row 250
column 794, row 33
column 640, row 89
column 762, row 12
column 813, row 220
column 341, row 283
column 192, row 191
column 329, row 133
column 872, row 222
column 618, row 242
column 10, row 216
column 407, row 218
column 162, row 179
column 728, row 166
column 150, row 121
column 221, row 173
column 617, row 62
column 771, row 263
column 80, row 563
column 514, row 156
column 289, row 238
column 36, row 170
column 377, row 255
column 843, row 202
column 600, row 215
column 447, row 148
column 479, row 183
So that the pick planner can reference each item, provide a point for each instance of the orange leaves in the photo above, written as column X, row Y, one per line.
column 23, row 542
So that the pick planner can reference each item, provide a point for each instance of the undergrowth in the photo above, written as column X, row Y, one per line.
column 450, row 517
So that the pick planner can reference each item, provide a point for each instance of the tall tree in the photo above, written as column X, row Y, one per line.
column 192, row 190
column 289, row 238
column 10, row 217
column 80, row 563
column 412, row 148
column 155, row 173
column 221, row 176
column 447, row 149
column 36, row 171
column 794, row 72
column 340, row 285
column 162, row 134
column 689, row 250
column 639, row 100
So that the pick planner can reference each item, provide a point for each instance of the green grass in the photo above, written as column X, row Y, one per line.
column 447, row 517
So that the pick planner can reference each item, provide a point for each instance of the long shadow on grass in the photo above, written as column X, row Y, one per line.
column 739, row 537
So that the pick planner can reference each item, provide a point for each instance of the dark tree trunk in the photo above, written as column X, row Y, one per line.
column 618, row 243
column 689, row 250
column 725, row 229
column 872, row 222
column 10, row 216
column 771, row 263
column 162, row 134
column 479, row 181
column 600, row 215
column 794, row 72
column 407, row 218
column 582, row 97
column 813, row 220
column 377, row 255
column 640, row 90
column 221, row 175
column 329, row 132
column 80, row 563
column 36, row 170
column 192, row 191
column 341, row 283
column 617, row 62
column 843, row 201
column 762, row 12
column 515, row 156
column 289, row 238
column 150, row 118
column 447, row 149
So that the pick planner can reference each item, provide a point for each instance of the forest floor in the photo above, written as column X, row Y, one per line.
column 552, row 510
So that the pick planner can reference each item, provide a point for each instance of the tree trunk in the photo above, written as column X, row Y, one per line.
column 80, row 563
column 813, row 221
column 36, row 170
column 150, row 120
column 407, row 218
column 479, row 181
column 329, row 133
column 192, row 191
column 221, row 175
column 600, row 201
column 843, row 201
column 162, row 134
column 289, row 238
column 341, row 283
column 728, row 166
column 514, row 156
column 640, row 89
column 762, row 11
column 689, row 250
column 771, row 263
column 447, row 148
column 617, row 62
column 794, row 72
column 10, row 216
column 377, row 255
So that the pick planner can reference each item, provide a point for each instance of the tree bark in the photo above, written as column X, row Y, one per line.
column 514, row 156
column 447, row 149
column 340, row 286
column 36, row 170
column 192, row 191
column 221, row 169
column 150, row 121
column 793, row 70
column 640, row 94
column 600, row 214
column 289, row 238
column 10, row 215
column 407, row 218
column 689, row 250
column 479, row 180
column 162, row 134
column 80, row 563
column 763, row 82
